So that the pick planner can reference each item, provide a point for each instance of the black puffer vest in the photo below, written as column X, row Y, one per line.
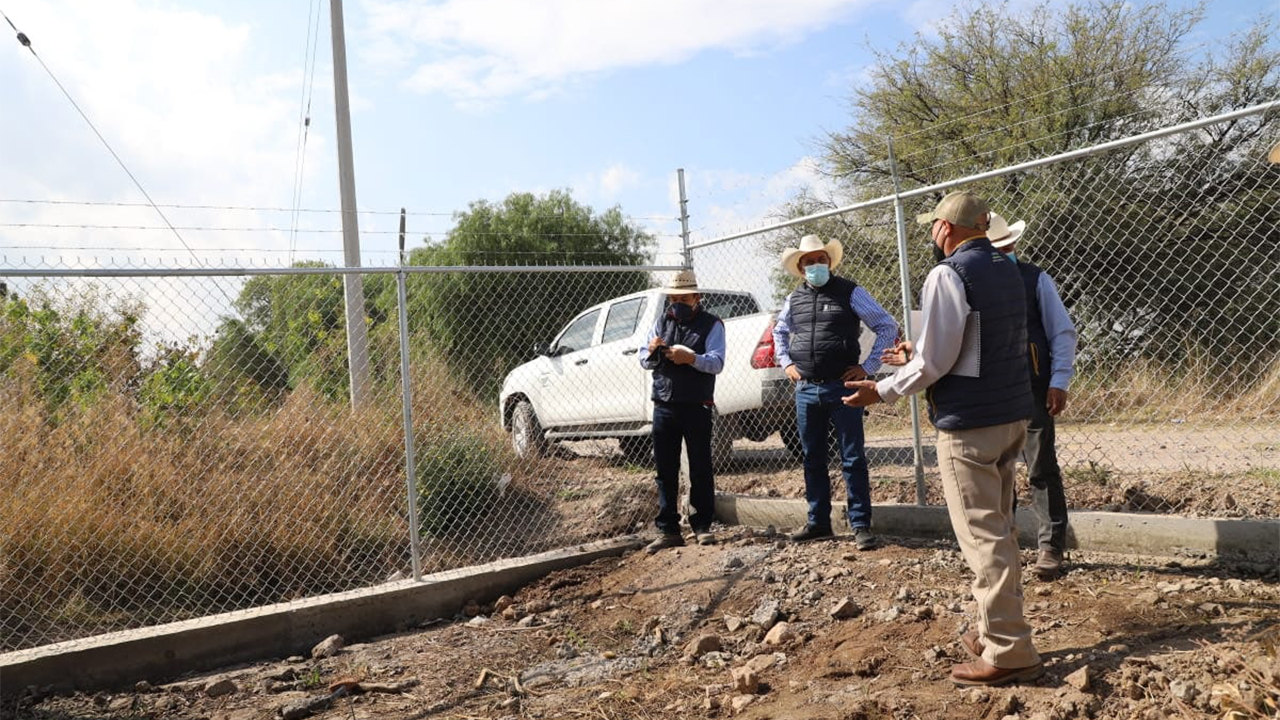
column 824, row 329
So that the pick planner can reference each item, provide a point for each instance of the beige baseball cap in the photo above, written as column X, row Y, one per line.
column 961, row 208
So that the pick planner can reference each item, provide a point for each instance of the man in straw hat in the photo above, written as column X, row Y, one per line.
column 685, row 351
column 816, row 341
column 981, row 416
column 1051, row 347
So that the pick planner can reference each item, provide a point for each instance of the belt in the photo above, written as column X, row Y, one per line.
column 822, row 381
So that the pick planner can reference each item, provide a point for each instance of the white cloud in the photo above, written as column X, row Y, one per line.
column 176, row 94
column 728, row 201
column 478, row 50
column 616, row 179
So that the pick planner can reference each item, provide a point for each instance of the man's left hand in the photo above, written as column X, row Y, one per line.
column 1056, row 401
column 854, row 372
column 681, row 356
column 865, row 393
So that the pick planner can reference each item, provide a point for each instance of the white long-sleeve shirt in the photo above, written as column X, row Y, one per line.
column 944, row 309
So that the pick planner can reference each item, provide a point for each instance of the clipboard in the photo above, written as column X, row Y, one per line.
column 969, row 361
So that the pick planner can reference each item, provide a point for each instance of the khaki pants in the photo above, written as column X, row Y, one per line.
column 977, row 480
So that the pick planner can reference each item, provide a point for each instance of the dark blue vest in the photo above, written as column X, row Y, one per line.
column 1037, row 338
column 682, row 383
column 1002, row 391
column 824, row 329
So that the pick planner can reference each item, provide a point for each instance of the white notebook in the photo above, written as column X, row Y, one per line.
column 969, row 362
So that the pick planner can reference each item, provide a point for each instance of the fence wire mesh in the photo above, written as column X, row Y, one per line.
column 1167, row 256
column 178, row 446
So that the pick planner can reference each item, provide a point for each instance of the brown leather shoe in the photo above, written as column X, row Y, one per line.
column 1049, row 565
column 981, row 672
column 971, row 644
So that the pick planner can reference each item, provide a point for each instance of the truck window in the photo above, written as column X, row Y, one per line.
column 578, row 335
column 729, row 305
column 622, row 319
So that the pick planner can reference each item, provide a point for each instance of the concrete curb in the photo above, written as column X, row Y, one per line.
column 164, row 652
column 1159, row 535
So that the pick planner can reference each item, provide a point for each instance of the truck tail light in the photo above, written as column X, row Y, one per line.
column 763, row 356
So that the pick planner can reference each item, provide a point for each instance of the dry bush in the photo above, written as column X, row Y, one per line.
column 106, row 521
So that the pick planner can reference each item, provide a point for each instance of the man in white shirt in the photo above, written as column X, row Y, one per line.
column 979, row 399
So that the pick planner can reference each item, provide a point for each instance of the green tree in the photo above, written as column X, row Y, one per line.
column 487, row 323
column 81, row 346
column 1142, row 240
column 299, row 321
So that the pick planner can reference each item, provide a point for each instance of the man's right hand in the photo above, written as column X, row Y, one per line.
column 655, row 343
column 792, row 372
column 898, row 355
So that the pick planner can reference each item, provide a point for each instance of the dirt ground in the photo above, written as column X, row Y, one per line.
column 745, row 629
column 1173, row 470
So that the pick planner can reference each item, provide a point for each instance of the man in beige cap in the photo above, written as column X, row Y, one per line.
column 979, row 400
column 1051, row 345
column 685, row 351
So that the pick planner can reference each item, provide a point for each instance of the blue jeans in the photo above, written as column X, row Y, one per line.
column 690, row 422
column 818, row 405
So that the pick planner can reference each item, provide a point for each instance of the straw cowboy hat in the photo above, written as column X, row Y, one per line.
column 808, row 244
column 1274, row 155
column 684, row 282
column 1002, row 234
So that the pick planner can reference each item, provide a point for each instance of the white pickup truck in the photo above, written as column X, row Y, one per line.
column 588, row 382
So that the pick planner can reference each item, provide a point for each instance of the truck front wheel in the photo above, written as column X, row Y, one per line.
column 526, row 433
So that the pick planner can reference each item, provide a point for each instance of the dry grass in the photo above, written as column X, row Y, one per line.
column 105, row 523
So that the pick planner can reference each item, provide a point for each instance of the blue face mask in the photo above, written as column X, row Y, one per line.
column 1012, row 256
column 817, row 275
column 681, row 312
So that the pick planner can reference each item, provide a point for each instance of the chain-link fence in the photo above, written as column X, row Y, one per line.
column 1166, row 252
column 179, row 443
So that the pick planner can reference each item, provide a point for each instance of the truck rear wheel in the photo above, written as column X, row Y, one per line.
column 638, row 450
column 722, row 431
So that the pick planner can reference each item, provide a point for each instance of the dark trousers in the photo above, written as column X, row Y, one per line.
column 817, row 407
column 690, row 422
column 1048, row 500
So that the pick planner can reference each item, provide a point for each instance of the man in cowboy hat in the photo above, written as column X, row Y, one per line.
column 816, row 341
column 685, row 351
column 981, row 415
column 1051, row 344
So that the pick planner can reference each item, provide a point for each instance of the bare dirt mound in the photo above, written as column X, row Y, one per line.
column 759, row 628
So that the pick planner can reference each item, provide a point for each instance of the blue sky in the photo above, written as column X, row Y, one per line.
column 453, row 101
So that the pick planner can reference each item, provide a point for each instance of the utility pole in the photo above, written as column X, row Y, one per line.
column 353, row 283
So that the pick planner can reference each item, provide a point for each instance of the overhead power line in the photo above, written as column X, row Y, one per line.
column 26, row 42
column 304, row 112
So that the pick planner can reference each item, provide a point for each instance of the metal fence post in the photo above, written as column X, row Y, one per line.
column 904, row 270
column 687, row 260
column 410, row 462
column 684, row 221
